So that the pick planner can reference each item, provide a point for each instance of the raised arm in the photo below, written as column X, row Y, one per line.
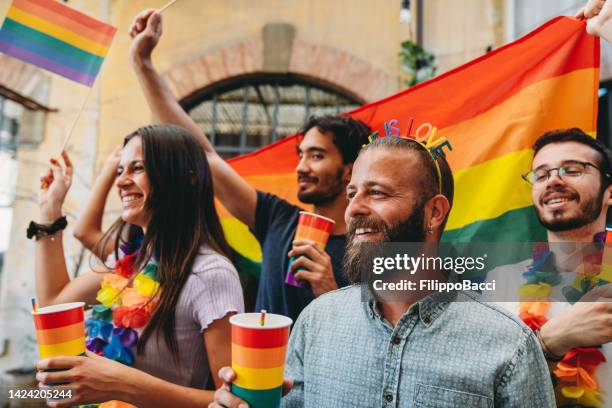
column 88, row 228
column 235, row 193
column 53, row 285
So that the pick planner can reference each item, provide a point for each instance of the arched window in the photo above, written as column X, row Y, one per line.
column 243, row 114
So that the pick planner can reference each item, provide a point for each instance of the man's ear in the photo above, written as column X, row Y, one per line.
column 347, row 172
column 608, row 196
column 439, row 209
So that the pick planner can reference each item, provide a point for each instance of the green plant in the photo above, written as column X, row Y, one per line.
column 417, row 63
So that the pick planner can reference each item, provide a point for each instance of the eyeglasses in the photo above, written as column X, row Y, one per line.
column 570, row 171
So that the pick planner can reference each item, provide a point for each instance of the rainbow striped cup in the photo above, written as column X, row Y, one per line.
column 60, row 330
column 312, row 227
column 258, row 358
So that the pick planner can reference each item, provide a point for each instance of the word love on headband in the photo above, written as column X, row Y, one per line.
column 424, row 135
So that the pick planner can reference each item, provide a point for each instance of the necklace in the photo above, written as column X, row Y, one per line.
column 574, row 376
column 127, row 301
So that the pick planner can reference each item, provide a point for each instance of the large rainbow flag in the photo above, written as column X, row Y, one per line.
column 491, row 109
column 57, row 38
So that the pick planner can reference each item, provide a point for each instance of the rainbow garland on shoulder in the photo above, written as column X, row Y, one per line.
column 127, row 301
column 574, row 376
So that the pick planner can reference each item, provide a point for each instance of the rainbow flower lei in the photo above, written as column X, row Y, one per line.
column 574, row 376
column 127, row 301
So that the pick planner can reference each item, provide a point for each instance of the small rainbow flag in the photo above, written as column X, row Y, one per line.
column 57, row 38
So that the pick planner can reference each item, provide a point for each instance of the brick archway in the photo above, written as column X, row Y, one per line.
column 346, row 72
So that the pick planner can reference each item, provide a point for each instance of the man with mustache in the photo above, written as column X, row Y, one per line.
column 571, row 181
column 327, row 150
column 442, row 350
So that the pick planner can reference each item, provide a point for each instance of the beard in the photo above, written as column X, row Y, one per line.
column 358, row 255
column 589, row 211
column 329, row 187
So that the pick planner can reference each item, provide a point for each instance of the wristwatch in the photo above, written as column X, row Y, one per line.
column 37, row 231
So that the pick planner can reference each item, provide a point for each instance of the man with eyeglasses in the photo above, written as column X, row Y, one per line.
column 571, row 180
column 570, row 176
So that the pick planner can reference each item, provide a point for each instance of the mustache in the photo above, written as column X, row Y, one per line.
column 303, row 177
column 574, row 195
column 371, row 223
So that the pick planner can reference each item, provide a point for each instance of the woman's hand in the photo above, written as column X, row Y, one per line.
column 91, row 379
column 145, row 31
column 54, row 186
column 112, row 162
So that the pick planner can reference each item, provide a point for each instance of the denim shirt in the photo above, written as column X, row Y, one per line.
column 445, row 351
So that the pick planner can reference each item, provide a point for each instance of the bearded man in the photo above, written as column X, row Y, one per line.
column 571, row 180
column 349, row 348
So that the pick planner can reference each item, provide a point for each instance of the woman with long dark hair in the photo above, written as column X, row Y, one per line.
column 165, row 307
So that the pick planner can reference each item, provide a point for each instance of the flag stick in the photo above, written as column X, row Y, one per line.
column 161, row 10
column 74, row 122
